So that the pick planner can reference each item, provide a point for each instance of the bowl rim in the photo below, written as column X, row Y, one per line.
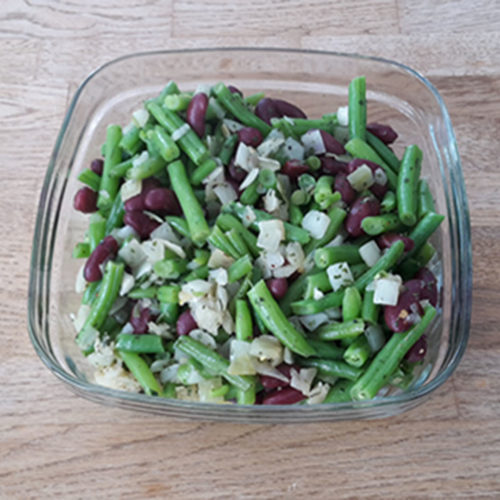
column 205, row 410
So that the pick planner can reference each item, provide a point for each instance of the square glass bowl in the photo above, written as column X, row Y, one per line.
column 315, row 81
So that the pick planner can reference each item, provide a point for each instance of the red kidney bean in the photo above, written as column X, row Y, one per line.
column 286, row 108
column 331, row 144
column 278, row 287
column 195, row 114
column 162, row 200
column 357, row 162
column 269, row 383
column 236, row 173
column 294, row 276
column 85, row 200
column 396, row 317
column 384, row 132
column 140, row 323
column 250, row 136
column 429, row 289
column 107, row 249
column 387, row 239
column 294, row 168
column 364, row 206
column 185, row 323
column 286, row 396
column 141, row 223
column 136, row 203
column 343, row 186
column 96, row 166
column 234, row 90
column 379, row 190
column 266, row 109
column 417, row 351
column 331, row 166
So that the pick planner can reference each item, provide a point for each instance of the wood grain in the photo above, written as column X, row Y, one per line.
column 54, row 444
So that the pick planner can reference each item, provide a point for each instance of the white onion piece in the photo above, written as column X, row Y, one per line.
column 140, row 159
column 240, row 359
column 343, row 115
column 302, row 379
column 219, row 275
column 313, row 321
column 339, row 275
column 316, row 223
column 271, row 233
column 274, row 140
column 226, row 193
column 252, row 175
column 361, row 178
column 267, row 348
column 165, row 232
column 271, row 201
column 318, row 393
column 133, row 254
column 370, row 253
column 387, row 290
column 293, row 150
column 380, row 177
column 81, row 316
column 140, row 117
column 169, row 374
column 232, row 125
column 203, row 88
column 128, row 282
column 180, row 132
column 80, row 282
column 203, row 338
column 130, row 188
column 219, row 259
column 313, row 142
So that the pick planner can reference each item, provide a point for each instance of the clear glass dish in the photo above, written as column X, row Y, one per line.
column 317, row 82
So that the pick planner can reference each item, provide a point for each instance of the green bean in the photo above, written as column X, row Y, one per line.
column 340, row 392
column 109, row 185
column 299, row 126
column 386, row 262
column 91, row 292
column 313, row 162
column 337, row 331
column 296, row 215
column 337, row 216
column 143, row 293
column 267, row 178
column 243, row 320
column 294, row 291
column 333, row 368
column 190, row 143
column 313, row 306
column 121, row 169
column 219, row 240
column 177, row 102
column 96, row 231
column 90, row 178
column 406, row 192
column 423, row 230
column 170, row 268
column 388, row 358
column 169, row 312
column 247, row 397
column 149, row 167
column 200, row 273
column 198, row 227
column 130, row 141
column 169, row 89
column 240, row 294
column 370, row 310
column 212, row 361
column 351, row 304
column 145, row 343
column 254, row 99
column 383, row 151
column 378, row 224
column 203, row 171
column 140, row 370
column 324, row 257
column 358, row 352
column 307, row 182
column 81, row 251
column 228, row 148
column 163, row 143
column 271, row 314
column 359, row 149
column 358, row 269
column 317, row 281
column 425, row 200
column 179, row 224
column 323, row 194
column 388, row 203
column 326, row 350
column 237, row 242
column 292, row 233
column 227, row 222
column 357, row 108
column 99, row 310
column 115, row 218
column 234, row 104
column 300, row 197
column 250, row 194
column 239, row 268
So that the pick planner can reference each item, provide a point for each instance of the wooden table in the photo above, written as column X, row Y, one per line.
column 54, row 444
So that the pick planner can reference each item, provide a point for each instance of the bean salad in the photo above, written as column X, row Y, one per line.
column 239, row 251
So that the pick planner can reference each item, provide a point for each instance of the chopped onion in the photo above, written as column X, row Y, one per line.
column 165, row 232
column 272, row 143
column 380, row 177
column 294, row 253
column 226, row 193
column 128, row 282
column 336, row 242
column 160, row 329
column 267, row 348
column 317, row 294
column 288, row 356
column 249, row 216
column 252, row 175
column 316, row 223
column 203, row 88
column 203, row 338
column 175, row 248
column 140, row 159
column 370, row 253
column 219, row 259
column 187, row 393
column 180, row 132
column 313, row 142
column 123, row 233
column 246, row 157
column 318, row 393
column 154, row 250
column 265, row 368
column 215, row 177
column 343, row 115
column 240, row 359
column 232, row 125
column 361, row 178
column 302, row 379
column 268, row 163
column 159, row 364
column 271, row 233
column 271, row 201
column 219, row 111
column 132, row 253
column 127, row 328
column 293, row 150
column 284, row 271
column 206, row 388
column 387, row 290
column 81, row 317
column 169, row 374
column 80, row 283
column 130, row 188
column 313, row 321
column 219, row 275
column 273, row 260
column 339, row 275
column 140, row 117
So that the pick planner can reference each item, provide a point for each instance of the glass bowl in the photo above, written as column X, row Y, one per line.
column 317, row 82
